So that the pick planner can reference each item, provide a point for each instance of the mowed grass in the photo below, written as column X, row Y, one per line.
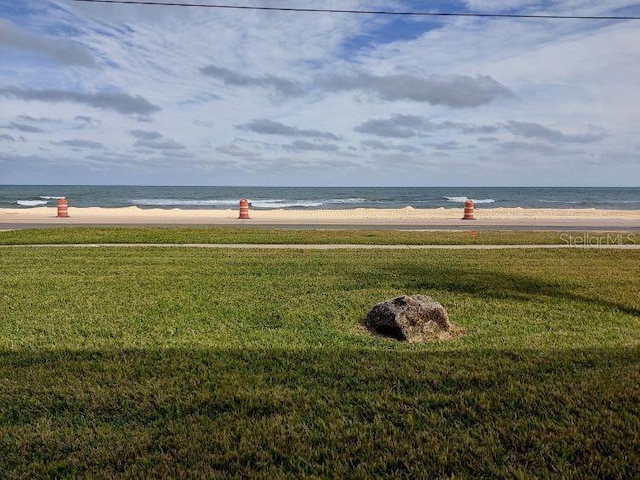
column 185, row 362
column 258, row 235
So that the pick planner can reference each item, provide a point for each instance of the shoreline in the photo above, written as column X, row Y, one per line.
column 407, row 216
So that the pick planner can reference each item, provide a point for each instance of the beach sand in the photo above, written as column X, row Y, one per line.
column 408, row 216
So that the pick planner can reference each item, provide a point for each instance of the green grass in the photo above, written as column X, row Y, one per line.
column 187, row 362
column 256, row 235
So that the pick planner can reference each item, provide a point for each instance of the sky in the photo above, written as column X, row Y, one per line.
column 165, row 95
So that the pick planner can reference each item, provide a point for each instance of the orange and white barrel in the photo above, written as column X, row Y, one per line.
column 63, row 208
column 244, row 209
column 468, row 210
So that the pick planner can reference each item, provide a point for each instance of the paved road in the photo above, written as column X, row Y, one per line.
column 319, row 226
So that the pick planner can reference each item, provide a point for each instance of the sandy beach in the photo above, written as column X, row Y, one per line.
column 408, row 216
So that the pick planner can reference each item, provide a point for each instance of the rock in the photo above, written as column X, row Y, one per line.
column 415, row 318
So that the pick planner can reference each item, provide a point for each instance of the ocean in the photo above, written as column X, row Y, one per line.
column 30, row 196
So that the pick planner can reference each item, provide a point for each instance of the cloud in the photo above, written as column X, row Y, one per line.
column 546, row 150
column 408, row 126
column 378, row 145
column 411, row 126
column 77, row 143
column 145, row 134
column 470, row 128
column 7, row 137
column 155, row 141
column 78, row 122
column 445, row 146
column 402, row 163
column 488, row 140
column 229, row 77
column 118, row 102
column 178, row 153
column 29, row 118
column 158, row 144
column 21, row 127
column 299, row 164
column 236, row 151
column 535, row 130
column 309, row 146
column 61, row 50
column 89, row 121
column 398, row 126
column 457, row 91
column 269, row 127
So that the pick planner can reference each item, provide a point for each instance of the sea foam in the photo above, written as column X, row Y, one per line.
column 464, row 199
column 266, row 203
column 31, row 203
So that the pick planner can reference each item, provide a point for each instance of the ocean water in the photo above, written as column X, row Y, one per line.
column 29, row 196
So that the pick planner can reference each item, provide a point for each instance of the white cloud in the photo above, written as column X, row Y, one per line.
column 270, row 127
column 145, row 134
column 399, row 126
column 535, row 130
column 81, row 144
column 21, row 127
column 118, row 102
column 59, row 50
column 228, row 77
column 236, row 151
column 456, row 91
column 303, row 145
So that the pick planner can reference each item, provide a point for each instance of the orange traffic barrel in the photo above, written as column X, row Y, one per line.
column 468, row 210
column 62, row 208
column 244, row 209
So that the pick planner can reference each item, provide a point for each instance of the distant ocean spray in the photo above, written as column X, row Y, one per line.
column 30, row 196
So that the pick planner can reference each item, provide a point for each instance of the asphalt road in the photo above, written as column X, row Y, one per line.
column 319, row 226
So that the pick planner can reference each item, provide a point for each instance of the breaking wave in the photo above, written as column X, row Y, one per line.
column 31, row 203
column 267, row 203
column 464, row 199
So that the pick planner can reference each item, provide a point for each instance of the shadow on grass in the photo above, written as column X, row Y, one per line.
column 328, row 413
column 501, row 286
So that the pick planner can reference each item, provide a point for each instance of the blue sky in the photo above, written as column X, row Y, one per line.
column 121, row 94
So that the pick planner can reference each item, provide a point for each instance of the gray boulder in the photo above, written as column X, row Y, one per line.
column 415, row 318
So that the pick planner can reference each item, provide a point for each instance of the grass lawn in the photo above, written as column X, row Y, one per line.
column 166, row 362
column 257, row 235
